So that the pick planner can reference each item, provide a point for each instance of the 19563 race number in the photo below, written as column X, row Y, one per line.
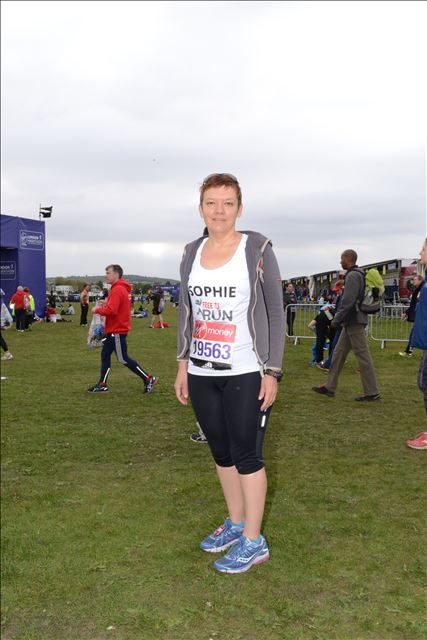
column 213, row 341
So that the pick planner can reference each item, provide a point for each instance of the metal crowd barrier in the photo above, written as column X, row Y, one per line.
column 386, row 326
column 297, row 318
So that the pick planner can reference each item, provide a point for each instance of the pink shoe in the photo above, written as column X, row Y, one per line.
column 420, row 442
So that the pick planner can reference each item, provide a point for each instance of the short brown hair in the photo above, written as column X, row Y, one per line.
column 115, row 267
column 221, row 180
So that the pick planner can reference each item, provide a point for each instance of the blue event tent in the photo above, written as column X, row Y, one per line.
column 23, row 258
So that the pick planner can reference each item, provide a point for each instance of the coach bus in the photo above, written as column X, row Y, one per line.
column 398, row 275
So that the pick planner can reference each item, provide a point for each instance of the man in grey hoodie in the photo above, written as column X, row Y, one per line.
column 353, row 336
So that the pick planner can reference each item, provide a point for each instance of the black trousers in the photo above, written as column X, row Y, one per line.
column 290, row 319
column 409, row 345
column 322, row 334
column 115, row 342
column 228, row 410
column 29, row 319
column 20, row 319
column 3, row 344
column 84, row 308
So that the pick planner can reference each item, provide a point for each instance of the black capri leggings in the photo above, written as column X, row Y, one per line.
column 3, row 344
column 228, row 410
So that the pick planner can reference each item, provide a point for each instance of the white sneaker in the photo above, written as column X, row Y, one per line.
column 198, row 437
column 7, row 356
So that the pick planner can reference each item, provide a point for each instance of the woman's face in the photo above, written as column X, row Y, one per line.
column 423, row 253
column 220, row 209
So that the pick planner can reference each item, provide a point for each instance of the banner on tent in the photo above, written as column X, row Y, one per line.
column 31, row 239
column 8, row 270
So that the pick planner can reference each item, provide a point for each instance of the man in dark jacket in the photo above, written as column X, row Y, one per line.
column 117, row 325
column 353, row 337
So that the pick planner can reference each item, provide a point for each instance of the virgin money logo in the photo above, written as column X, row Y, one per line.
column 217, row 331
column 200, row 329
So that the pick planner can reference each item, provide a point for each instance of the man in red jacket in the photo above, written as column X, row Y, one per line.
column 20, row 302
column 117, row 326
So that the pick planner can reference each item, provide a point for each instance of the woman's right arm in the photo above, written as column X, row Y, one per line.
column 181, row 382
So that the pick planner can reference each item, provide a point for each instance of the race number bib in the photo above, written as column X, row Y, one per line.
column 213, row 342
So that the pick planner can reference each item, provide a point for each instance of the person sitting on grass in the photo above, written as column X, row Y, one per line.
column 53, row 316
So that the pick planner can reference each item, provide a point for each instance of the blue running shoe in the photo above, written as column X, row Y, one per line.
column 243, row 555
column 223, row 537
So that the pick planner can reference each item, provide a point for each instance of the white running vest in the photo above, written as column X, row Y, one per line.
column 220, row 301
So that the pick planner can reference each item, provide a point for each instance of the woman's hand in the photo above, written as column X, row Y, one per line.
column 268, row 391
column 181, row 383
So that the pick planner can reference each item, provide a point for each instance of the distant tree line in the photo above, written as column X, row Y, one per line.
column 77, row 283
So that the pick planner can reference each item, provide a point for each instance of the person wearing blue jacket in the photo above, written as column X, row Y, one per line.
column 419, row 341
column 409, row 314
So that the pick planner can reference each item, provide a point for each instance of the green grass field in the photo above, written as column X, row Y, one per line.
column 105, row 500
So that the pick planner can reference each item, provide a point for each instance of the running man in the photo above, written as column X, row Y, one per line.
column 117, row 326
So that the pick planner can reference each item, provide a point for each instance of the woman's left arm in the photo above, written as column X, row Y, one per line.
column 273, row 297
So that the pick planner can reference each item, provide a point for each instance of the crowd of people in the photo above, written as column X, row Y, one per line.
column 23, row 308
column 233, row 316
column 301, row 294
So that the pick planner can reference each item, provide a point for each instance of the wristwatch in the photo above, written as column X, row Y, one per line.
column 274, row 374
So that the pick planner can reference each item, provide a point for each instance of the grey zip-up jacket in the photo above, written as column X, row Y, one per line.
column 348, row 312
column 266, row 319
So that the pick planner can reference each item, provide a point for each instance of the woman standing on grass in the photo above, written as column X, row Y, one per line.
column 230, row 349
column 158, row 306
column 419, row 340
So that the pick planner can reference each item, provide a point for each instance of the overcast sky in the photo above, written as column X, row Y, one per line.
column 113, row 112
